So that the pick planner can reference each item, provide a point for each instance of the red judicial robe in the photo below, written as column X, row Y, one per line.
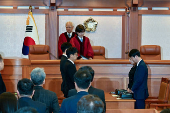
column 84, row 48
column 63, row 38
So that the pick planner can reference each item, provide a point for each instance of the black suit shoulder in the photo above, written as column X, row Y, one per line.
column 48, row 97
column 28, row 102
column 2, row 85
column 92, row 90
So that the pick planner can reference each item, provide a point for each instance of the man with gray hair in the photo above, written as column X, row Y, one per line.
column 45, row 96
column 65, row 37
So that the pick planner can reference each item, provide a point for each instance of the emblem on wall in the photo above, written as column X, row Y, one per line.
column 90, row 25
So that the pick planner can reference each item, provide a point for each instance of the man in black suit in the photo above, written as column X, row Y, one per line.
column 25, row 93
column 139, row 87
column 63, row 60
column 82, row 83
column 45, row 96
column 92, row 90
column 70, row 69
column 2, row 85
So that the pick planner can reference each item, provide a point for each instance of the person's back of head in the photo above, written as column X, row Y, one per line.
column 134, row 52
column 88, row 68
column 165, row 111
column 82, row 79
column 38, row 76
column 26, row 110
column 65, row 46
column 8, row 103
column 90, row 104
column 25, row 87
column 71, row 51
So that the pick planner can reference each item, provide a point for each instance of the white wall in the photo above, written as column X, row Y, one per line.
column 12, row 32
column 108, row 33
column 156, row 31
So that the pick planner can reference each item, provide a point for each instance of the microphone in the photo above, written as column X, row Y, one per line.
column 52, row 54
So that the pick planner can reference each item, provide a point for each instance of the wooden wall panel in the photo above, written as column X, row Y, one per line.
column 109, row 74
column 108, row 84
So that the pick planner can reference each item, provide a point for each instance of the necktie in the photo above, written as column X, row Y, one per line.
column 69, row 35
column 81, row 39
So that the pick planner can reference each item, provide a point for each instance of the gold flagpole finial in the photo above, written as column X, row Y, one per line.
column 30, row 7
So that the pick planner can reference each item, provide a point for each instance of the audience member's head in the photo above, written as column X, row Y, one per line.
column 165, row 111
column 69, row 27
column 82, row 80
column 65, row 46
column 26, row 110
column 90, row 104
column 8, row 103
column 38, row 76
column 88, row 68
column 25, row 87
column 72, row 53
column 1, row 63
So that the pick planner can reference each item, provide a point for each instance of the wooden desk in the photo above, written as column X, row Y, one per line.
column 113, row 103
column 109, row 74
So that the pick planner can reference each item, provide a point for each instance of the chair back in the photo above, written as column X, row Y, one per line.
column 39, row 52
column 150, row 52
column 99, row 52
column 131, row 111
column 164, row 89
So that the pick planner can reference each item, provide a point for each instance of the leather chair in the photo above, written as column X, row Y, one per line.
column 39, row 52
column 164, row 105
column 163, row 93
column 99, row 52
column 131, row 111
column 150, row 52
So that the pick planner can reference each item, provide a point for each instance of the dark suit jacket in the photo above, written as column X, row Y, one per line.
column 69, row 105
column 47, row 97
column 62, row 67
column 92, row 90
column 70, row 70
column 140, row 87
column 131, row 76
column 28, row 102
column 2, row 85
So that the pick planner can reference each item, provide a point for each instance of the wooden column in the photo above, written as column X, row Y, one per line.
column 52, row 25
column 133, row 31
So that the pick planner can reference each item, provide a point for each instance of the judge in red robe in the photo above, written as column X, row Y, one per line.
column 82, row 43
column 65, row 37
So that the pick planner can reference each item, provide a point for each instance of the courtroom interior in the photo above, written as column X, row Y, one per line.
column 32, row 30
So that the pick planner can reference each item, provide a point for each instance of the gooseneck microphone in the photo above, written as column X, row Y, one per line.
column 52, row 54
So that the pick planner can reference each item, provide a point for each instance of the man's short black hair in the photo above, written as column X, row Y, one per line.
column 134, row 52
column 27, row 110
column 71, row 50
column 80, row 28
column 88, row 68
column 82, row 79
column 25, row 87
column 165, row 111
column 90, row 104
column 65, row 46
